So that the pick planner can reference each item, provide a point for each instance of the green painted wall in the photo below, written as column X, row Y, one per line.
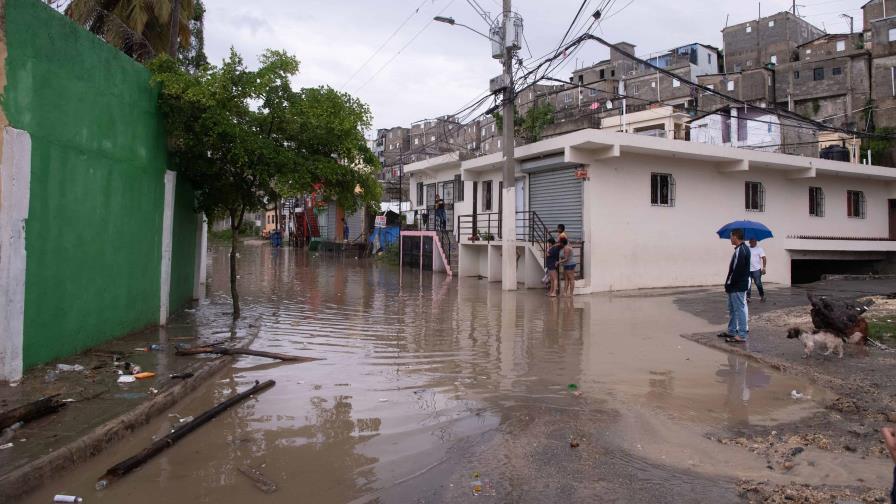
column 93, row 236
column 183, row 245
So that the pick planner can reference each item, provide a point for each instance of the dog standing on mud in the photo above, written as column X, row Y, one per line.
column 811, row 339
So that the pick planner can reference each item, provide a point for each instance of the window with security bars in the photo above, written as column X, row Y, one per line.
column 662, row 189
column 419, row 193
column 855, row 204
column 754, row 197
column 816, row 202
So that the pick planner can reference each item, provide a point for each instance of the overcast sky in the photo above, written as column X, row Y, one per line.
column 446, row 67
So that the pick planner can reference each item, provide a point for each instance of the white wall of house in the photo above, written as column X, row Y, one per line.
column 636, row 245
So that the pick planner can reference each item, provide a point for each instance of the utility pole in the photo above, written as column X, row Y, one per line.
column 508, row 211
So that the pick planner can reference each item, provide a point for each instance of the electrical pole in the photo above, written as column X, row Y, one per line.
column 508, row 211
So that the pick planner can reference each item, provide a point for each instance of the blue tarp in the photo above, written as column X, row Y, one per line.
column 380, row 238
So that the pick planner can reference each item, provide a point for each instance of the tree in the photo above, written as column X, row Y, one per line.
column 142, row 29
column 531, row 125
column 192, row 56
column 237, row 135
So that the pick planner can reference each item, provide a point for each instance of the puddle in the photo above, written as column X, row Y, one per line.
column 423, row 376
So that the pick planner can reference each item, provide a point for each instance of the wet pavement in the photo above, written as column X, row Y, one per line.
column 428, row 382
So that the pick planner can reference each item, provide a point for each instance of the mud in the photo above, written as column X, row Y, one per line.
column 429, row 383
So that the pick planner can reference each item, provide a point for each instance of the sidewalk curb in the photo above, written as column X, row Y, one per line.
column 839, row 385
column 38, row 472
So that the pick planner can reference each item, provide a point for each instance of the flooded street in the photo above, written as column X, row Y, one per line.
column 428, row 381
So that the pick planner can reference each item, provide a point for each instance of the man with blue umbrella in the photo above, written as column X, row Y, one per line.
column 736, row 284
column 738, row 280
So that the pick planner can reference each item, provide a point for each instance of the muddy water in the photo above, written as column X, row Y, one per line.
column 427, row 380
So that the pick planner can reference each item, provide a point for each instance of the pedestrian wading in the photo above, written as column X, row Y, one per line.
column 122, row 468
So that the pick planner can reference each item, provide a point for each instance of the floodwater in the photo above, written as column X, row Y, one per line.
column 429, row 381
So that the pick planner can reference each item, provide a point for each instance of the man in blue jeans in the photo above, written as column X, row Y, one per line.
column 736, row 284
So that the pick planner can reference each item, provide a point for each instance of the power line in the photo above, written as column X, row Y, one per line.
column 380, row 48
column 420, row 32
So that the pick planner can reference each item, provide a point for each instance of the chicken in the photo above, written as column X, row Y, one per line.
column 839, row 316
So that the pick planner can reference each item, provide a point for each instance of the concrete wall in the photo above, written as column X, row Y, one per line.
column 97, row 166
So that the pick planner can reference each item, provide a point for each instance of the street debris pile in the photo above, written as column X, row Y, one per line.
column 768, row 493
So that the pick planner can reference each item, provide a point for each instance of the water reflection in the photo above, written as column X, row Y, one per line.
column 742, row 378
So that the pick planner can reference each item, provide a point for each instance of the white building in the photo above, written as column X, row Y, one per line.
column 738, row 127
column 647, row 213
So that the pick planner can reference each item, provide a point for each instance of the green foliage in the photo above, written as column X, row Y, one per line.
column 531, row 125
column 535, row 120
column 390, row 255
column 192, row 56
column 881, row 146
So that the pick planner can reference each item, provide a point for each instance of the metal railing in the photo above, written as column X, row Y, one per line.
column 484, row 227
column 529, row 228
column 428, row 219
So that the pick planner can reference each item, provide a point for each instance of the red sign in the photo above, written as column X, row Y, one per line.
column 582, row 173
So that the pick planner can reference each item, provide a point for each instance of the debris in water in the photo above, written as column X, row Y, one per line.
column 477, row 484
column 153, row 390
column 180, row 376
column 572, row 386
column 146, row 374
column 5, row 446
column 67, row 498
column 796, row 395
column 121, row 469
column 69, row 367
column 383, row 399
column 126, row 378
column 261, row 482
column 185, row 419
column 573, row 443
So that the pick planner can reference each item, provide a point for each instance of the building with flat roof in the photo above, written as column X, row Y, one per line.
column 643, row 211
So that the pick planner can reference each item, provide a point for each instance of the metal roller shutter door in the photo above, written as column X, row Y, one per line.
column 556, row 196
column 355, row 223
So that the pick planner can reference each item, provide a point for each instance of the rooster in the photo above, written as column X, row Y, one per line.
column 842, row 318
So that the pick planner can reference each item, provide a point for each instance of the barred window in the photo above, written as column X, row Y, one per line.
column 754, row 197
column 855, row 204
column 419, row 193
column 662, row 189
column 816, row 202
column 487, row 196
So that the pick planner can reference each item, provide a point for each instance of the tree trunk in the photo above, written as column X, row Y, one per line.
column 174, row 35
column 235, row 223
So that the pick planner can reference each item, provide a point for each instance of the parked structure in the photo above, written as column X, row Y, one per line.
column 113, row 244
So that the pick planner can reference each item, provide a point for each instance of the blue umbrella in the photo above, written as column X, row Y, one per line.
column 752, row 230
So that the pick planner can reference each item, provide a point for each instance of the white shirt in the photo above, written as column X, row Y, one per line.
column 756, row 255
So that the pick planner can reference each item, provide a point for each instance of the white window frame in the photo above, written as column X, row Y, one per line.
column 771, row 23
column 774, row 59
column 840, row 45
column 749, row 29
column 416, row 141
column 592, row 92
column 432, row 138
column 730, row 85
column 891, row 35
column 676, row 82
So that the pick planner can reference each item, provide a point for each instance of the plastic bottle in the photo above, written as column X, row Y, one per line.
column 67, row 498
column 101, row 484
column 477, row 484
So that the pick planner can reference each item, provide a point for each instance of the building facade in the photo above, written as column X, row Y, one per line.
column 768, row 40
